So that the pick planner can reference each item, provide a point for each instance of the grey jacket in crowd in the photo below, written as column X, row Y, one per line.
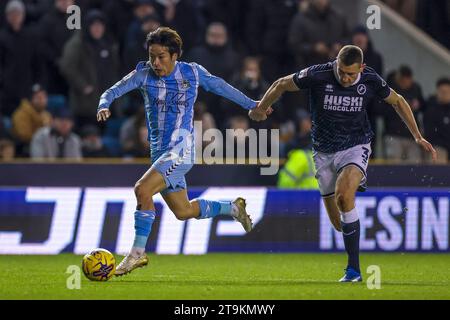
column 45, row 144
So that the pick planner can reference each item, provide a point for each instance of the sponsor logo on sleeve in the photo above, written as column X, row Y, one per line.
column 303, row 73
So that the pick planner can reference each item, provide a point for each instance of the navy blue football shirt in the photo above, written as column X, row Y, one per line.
column 339, row 114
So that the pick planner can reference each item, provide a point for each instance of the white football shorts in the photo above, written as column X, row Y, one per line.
column 329, row 165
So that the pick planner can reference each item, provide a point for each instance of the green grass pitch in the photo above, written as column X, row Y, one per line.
column 232, row 276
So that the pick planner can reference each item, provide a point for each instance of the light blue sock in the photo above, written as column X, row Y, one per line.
column 143, row 221
column 210, row 209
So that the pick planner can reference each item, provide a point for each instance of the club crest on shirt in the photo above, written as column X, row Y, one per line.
column 329, row 88
column 185, row 84
column 361, row 89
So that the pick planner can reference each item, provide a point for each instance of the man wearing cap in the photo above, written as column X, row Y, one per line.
column 57, row 141
column 31, row 115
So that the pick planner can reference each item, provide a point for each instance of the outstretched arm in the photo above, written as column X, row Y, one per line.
column 131, row 81
column 272, row 94
column 276, row 90
column 220, row 87
column 403, row 109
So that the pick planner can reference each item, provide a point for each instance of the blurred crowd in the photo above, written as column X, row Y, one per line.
column 51, row 77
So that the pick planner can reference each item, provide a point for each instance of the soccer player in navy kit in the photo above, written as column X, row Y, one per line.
column 169, row 88
column 339, row 93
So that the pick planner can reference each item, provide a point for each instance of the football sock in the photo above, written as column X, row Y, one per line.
column 210, row 209
column 143, row 221
column 351, row 231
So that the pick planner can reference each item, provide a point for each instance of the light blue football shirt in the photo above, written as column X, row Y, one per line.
column 169, row 101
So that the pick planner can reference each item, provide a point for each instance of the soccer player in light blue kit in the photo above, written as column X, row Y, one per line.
column 169, row 88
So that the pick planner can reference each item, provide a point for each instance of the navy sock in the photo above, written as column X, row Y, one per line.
column 350, row 231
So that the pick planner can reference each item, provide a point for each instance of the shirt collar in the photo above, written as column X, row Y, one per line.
column 337, row 76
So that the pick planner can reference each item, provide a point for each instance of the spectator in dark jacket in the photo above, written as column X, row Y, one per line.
column 36, row 9
column 437, row 120
column 134, row 136
column 249, row 81
column 302, row 138
column 91, row 143
column 55, row 34
column 119, row 14
column 316, row 35
column 183, row 16
column 2, row 16
column 232, row 14
column 90, row 64
column 408, row 8
column 20, row 59
column 266, row 34
column 217, row 55
column 372, row 58
column 132, row 40
column 135, row 49
column 397, row 138
column 219, row 58
column 434, row 18
column 5, row 128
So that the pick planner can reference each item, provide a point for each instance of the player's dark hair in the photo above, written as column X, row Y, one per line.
column 443, row 82
column 350, row 55
column 166, row 37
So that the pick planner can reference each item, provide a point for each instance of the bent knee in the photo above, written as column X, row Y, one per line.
column 138, row 189
column 142, row 190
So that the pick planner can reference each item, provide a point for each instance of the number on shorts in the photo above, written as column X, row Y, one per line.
column 365, row 155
